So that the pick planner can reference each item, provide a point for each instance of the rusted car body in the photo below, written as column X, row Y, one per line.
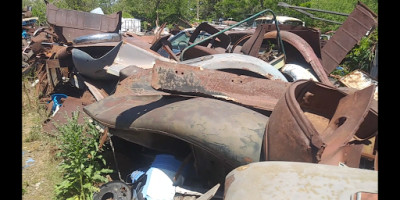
column 295, row 180
column 324, row 125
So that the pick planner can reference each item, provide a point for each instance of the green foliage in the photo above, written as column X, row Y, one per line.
column 82, row 162
column 362, row 55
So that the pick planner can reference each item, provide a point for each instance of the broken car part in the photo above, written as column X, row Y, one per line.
column 70, row 24
column 356, row 26
column 230, row 132
column 296, row 180
column 255, row 92
column 323, row 128
column 94, row 67
column 304, row 49
column 234, row 61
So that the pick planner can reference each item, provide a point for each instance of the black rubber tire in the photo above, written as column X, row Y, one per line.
column 114, row 189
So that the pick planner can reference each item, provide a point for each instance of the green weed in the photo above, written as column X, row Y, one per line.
column 82, row 165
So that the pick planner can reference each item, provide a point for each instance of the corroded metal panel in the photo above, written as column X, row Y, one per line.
column 230, row 132
column 72, row 23
column 319, row 123
column 356, row 26
column 295, row 180
column 179, row 78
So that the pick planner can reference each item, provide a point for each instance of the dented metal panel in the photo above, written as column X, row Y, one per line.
column 356, row 26
column 179, row 78
column 94, row 67
column 70, row 24
column 230, row 132
column 295, row 180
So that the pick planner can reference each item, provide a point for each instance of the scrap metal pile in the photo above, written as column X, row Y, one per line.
column 243, row 108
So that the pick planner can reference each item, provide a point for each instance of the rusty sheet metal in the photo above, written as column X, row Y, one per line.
column 357, row 24
column 350, row 113
column 311, row 118
column 137, row 82
column 305, row 50
column 230, row 132
column 295, row 180
column 255, row 92
column 252, row 45
column 310, row 35
column 69, row 24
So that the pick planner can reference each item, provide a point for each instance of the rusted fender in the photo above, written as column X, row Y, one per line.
column 306, row 51
column 183, row 79
column 230, row 132
column 69, row 24
column 92, row 67
column 320, row 124
column 237, row 61
column 296, row 180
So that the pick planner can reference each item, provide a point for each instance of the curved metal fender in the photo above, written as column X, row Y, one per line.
column 94, row 68
column 297, row 72
column 237, row 61
column 297, row 180
column 232, row 133
column 306, row 51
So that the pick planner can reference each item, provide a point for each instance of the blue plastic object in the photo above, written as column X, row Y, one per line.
column 24, row 34
column 56, row 100
column 136, row 175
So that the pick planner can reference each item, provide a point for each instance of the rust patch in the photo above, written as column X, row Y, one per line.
column 228, row 181
column 184, row 79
